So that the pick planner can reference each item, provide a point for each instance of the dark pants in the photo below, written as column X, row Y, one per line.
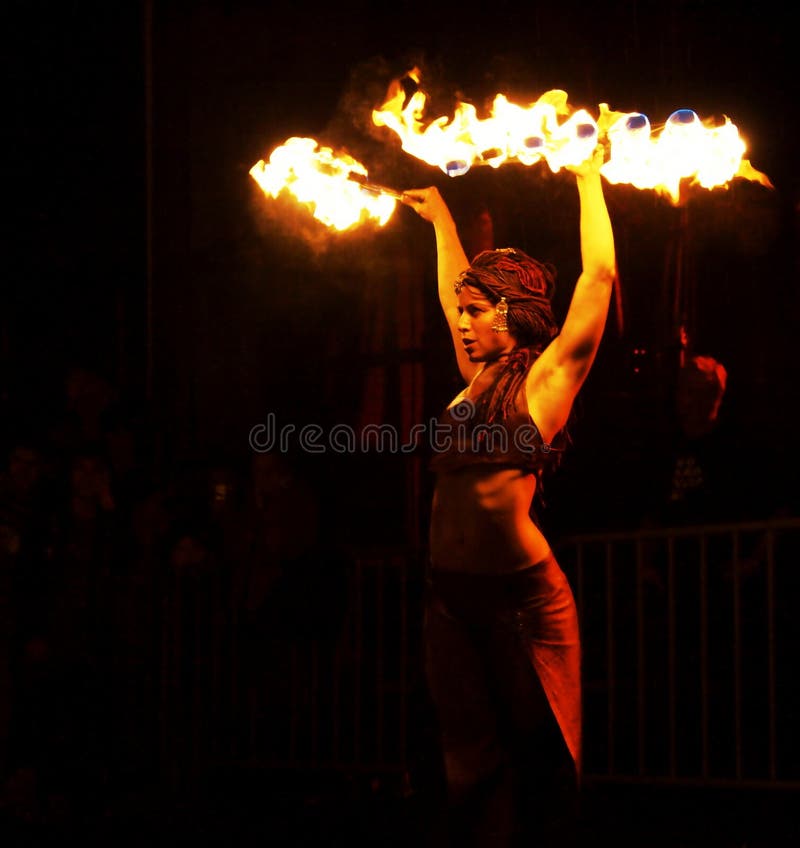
column 511, row 779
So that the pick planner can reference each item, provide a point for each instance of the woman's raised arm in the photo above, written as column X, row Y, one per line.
column 560, row 371
column 450, row 261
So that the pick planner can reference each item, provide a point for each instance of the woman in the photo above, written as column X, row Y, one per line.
column 502, row 642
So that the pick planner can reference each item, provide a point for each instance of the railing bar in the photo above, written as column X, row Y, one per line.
column 219, row 641
column 591, row 779
column 640, row 658
column 314, row 705
column 336, row 672
column 704, row 664
column 252, row 712
column 671, row 655
column 199, row 691
column 171, row 651
column 358, row 624
column 683, row 532
column 235, row 697
column 771, row 671
column 737, row 655
column 295, row 703
column 380, row 646
column 610, row 660
column 403, row 730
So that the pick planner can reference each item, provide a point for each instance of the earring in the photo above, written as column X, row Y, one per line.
column 500, row 325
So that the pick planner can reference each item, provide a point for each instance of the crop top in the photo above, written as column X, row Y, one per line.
column 460, row 442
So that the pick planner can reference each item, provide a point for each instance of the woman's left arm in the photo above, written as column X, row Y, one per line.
column 570, row 355
column 558, row 374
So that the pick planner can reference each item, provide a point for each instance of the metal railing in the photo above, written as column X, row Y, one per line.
column 691, row 649
column 690, row 656
column 236, row 696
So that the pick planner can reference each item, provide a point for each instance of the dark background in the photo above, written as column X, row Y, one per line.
column 138, row 248
column 139, row 245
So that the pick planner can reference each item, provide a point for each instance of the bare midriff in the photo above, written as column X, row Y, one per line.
column 480, row 521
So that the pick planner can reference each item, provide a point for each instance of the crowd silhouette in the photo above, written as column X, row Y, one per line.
column 102, row 552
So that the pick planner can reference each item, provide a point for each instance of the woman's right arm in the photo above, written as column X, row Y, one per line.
column 450, row 262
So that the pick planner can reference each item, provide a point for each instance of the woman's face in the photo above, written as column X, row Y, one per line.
column 477, row 313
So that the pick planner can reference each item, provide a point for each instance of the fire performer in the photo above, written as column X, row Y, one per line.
column 501, row 627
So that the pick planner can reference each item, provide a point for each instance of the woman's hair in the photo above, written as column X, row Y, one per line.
column 528, row 286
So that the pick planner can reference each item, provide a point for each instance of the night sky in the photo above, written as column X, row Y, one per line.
column 139, row 245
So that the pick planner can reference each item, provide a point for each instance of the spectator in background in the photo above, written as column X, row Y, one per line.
column 22, row 519
column 289, row 597
column 292, row 582
column 64, row 709
column 695, row 485
column 87, row 396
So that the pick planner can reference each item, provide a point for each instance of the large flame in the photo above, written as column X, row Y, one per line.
column 685, row 148
column 329, row 185
column 703, row 153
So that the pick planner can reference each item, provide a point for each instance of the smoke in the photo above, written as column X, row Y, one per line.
column 378, row 148
column 287, row 230
column 288, row 237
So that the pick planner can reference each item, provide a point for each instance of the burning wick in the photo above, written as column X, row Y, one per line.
column 374, row 187
column 687, row 151
column 328, row 185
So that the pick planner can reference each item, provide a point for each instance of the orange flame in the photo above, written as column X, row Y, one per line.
column 325, row 183
column 686, row 148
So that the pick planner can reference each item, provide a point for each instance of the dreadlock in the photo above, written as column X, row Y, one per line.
column 528, row 286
